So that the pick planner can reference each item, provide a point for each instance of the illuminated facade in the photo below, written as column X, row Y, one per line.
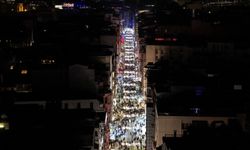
column 21, row 7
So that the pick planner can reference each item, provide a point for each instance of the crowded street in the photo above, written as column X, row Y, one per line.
column 128, row 123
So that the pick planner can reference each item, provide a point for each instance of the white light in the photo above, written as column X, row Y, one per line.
column 129, row 59
column 58, row 6
column 127, row 97
column 2, row 125
column 127, row 64
column 11, row 67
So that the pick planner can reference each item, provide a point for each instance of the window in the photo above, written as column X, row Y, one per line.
column 11, row 67
column 48, row 61
column 237, row 87
column 24, row 71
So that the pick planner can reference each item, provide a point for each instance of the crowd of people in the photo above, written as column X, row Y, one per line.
column 128, row 125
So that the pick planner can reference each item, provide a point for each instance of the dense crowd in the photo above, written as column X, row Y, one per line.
column 128, row 126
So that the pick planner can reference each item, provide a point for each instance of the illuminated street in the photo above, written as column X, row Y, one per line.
column 128, row 124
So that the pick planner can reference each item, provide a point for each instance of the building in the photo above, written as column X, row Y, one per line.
column 176, row 126
column 155, row 53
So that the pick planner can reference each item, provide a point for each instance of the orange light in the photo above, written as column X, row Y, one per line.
column 20, row 7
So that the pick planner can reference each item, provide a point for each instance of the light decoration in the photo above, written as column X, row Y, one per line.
column 128, row 121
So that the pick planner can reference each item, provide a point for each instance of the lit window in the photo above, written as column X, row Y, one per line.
column 210, row 75
column 195, row 110
column 47, row 61
column 2, row 125
column 11, row 67
column 24, row 71
column 237, row 87
column 58, row 6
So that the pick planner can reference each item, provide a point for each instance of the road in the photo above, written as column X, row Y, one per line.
column 128, row 123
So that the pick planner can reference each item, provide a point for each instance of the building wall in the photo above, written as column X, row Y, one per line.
column 41, row 104
column 150, row 54
column 168, row 125
column 224, row 47
column 109, row 40
column 156, row 52
column 107, row 60
column 82, row 104
column 107, row 102
column 69, row 104
column 150, row 126
column 82, row 79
